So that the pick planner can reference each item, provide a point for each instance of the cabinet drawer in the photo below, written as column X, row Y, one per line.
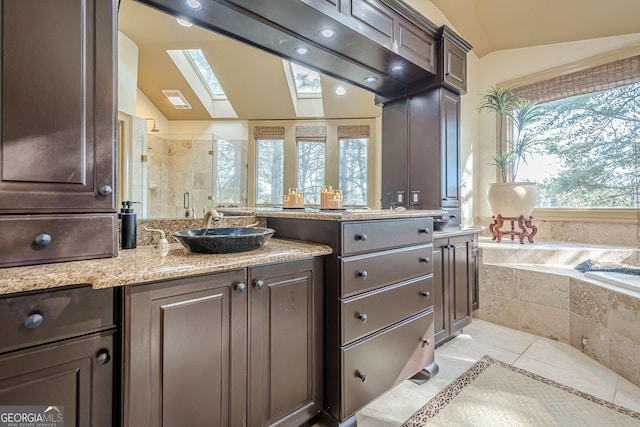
column 373, row 366
column 367, row 236
column 376, row 310
column 24, row 241
column 365, row 272
column 50, row 316
column 416, row 45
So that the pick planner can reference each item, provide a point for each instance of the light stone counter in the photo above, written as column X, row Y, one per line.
column 456, row 231
column 344, row 215
column 146, row 263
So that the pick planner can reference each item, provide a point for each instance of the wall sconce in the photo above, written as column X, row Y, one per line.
column 154, row 129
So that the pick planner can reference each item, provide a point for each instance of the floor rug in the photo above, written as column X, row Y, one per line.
column 493, row 393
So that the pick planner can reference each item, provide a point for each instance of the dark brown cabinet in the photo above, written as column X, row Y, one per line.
column 227, row 349
column 58, row 124
column 421, row 152
column 378, row 293
column 454, row 283
column 452, row 69
column 57, row 349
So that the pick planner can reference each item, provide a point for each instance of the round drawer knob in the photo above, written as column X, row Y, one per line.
column 425, row 294
column 33, row 320
column 426, row 341
column 239, row 287
column 105, row 190
column 43, row 239
column 258, row 284
column 362, row 316
column 424, row 230
column 425, row 259
column 361, row 375
column 103, row 357
column 361, row 237
column 362, row 274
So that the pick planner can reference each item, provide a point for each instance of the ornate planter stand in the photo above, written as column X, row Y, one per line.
column 527, row 229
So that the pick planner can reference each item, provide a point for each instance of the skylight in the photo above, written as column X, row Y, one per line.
column 307, row 81
column 200, row 64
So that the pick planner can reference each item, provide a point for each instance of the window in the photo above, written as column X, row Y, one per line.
column 269, row 165
column 589, row 138
column 307, row 81
column 311, row 168
column 204, row 70
column 229, row 161
column 353, row 147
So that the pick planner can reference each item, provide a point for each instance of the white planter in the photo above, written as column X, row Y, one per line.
column 512, row 199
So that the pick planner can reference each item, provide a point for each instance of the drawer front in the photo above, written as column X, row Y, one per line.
column 367, row 236
column 39, row 239
column 373, row 366
column 49, row 316
column 370, row 312
column 366, row 272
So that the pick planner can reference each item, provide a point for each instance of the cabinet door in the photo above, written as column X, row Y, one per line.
column 441, row 292
column 185, row 346
column 450, row 151
column 395, row 152
column 285, row 343
column 460, row 281
column 58, row 106
column 74, row 376
column 454, row 66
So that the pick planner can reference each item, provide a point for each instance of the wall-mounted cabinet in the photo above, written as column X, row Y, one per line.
column 58, row 125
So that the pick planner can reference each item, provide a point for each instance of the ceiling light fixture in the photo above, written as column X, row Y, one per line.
column 177, row 99
column 302, row 51
column 184, row 22
column 370, row 79
column 397, row 68
column 193, row 4
column 340, row 90
column 327, row 33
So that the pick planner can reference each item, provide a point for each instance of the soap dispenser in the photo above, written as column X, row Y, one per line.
column 128, row 225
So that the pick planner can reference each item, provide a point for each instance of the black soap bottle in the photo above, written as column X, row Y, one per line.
column 128, row 226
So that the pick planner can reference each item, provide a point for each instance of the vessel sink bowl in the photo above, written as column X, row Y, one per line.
column 223, row 240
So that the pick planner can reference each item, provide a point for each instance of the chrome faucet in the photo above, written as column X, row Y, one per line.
column 209, row 215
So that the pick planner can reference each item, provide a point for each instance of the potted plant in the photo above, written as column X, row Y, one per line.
column 508, row 198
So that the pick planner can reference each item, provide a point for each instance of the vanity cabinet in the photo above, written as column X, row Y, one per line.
column 58, row 128
column 57, row 349
column 455, row 281
column 379, row 295
column 235, row 348
column 421, row 152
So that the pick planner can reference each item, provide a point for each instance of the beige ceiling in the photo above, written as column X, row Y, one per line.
column 493, row 25
column 253, row 80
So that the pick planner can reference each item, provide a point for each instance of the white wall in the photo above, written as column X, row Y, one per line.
column 127, row 74
column 146, row 109
column 508, row 65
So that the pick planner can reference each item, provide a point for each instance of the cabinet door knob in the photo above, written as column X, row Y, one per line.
column 103, row 357
column 362, row 317
column 426, row 341
column 425, row 294
column 425, row 259
column 105, row 190
column 361, row 375
column 424, row 230
column 42, row 239
column 258, row 284
column 239, row 287
column 362, row 274
column 33, row 320
column 362, row 237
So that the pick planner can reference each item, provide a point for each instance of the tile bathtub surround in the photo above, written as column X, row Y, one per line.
column 551, row 359
column 555, row 301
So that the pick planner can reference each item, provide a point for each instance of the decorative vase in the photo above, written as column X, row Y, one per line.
column 512, row 199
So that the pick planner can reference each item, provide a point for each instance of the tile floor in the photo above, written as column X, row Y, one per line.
column 557, row 361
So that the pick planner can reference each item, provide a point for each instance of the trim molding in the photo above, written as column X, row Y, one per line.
column 608, row 215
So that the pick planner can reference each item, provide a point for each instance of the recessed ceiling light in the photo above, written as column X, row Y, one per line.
column 327, row 33
column 184, row 22
column 370, row 79
column 340, row 90
column 193, row 4
column 397, row 68
column 302, row 51
column 177, row 99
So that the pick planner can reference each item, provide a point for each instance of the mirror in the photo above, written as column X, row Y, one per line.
column 177, row 171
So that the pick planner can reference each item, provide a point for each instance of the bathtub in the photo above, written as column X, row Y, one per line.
column 626, row 281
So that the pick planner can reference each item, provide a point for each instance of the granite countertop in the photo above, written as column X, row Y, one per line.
column 344, row 215
column 146, row 263
column 457, row 231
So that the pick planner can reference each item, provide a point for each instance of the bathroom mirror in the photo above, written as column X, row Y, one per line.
column 178, row 170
